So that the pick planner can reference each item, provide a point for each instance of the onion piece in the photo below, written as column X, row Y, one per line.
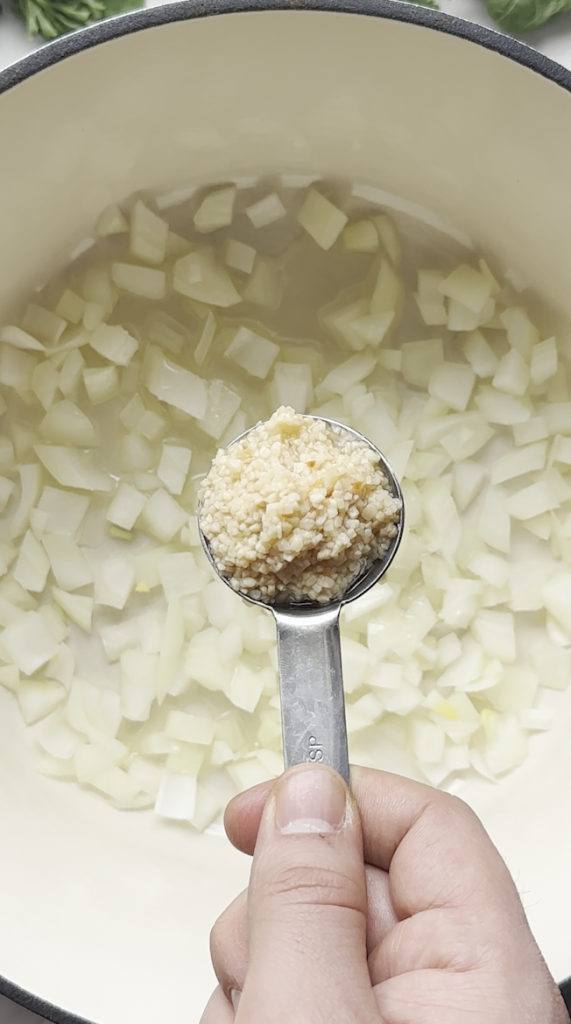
column 495, row 631
column 558, row 417
column 512, row 374
column 126, row 506
column 138, row 684
column 535, row 720
column 92, row 710
column 266, row 211
column 180, row 576
column 461, row 318
column 177, row 797
column 467, row 479
column 114, row 581
column 16, row 369
column 372, row 330
column 173, row 467
column 145, row 775
column 114, row 343
column 249, row 771
column 69, row 378
column 493, row 524
column 557, row 598
column 420, row 359
column 503, row 409
column 78, row 607
column 349, row 373
column 71, row 306
column 148, row 238
column 144, row 281
column 508, row 747
column 452, row 383
column 245, row 688
column 91, row 759
column 65, row 511
column 216, row 210
column 190, row 728
column 65, row 422
column 560, row 450
column 43, row 324
column 517, row 462
column 132, row 413
column 427, row 741
column 534, row 429
column 388, row 292
column 6, row 491
column 56, row 737
column 223, row 402
column 28, row 642
column 389, row 237
column 239, row 256
column 361, row 236
column 292, row 385
column 480, row 354
column 544, row 361
column 73, row 468
column 171, row 649
column 253, row 352
column 462, row 599
column 174, row 385
column 45, row 382
column 521, row 333
column 111, row 222
column 101, row 383
column 30, row 484
column 33, row 566
column 18, row 338
column 38, row 699
column 533, row 500
column 429, row 298
column 162, row 516
column 200, row 276
column 321, row 219
column 206, row 338
column 116, row 784
column 467, row 286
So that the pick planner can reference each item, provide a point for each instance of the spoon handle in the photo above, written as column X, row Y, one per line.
column 311, row 687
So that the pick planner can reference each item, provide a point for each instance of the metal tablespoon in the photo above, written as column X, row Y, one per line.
column 309, row 652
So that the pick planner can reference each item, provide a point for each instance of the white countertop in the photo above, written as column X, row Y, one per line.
column 554, row 40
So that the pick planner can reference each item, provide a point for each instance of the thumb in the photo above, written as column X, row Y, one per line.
column 307, row 907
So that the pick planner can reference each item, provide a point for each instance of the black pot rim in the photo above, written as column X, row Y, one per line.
column 183, row 10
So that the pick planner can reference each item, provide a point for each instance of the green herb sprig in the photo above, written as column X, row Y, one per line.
column 52, row 18
column 525, row 15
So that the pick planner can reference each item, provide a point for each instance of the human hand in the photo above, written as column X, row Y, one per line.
column 389, row 905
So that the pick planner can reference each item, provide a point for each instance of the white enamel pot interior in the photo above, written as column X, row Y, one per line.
column 105, row 915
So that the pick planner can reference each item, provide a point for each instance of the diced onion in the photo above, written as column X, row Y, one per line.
column 128, row 385
column 321, row 219
column 252, row 352
column 266, row 210
column 216, row 210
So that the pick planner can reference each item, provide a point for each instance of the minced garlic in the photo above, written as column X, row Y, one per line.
column 297, row 510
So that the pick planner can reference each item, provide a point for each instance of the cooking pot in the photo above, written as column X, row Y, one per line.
column 104, row 914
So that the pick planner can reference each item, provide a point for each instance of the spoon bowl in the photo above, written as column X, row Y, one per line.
column 309, row 648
